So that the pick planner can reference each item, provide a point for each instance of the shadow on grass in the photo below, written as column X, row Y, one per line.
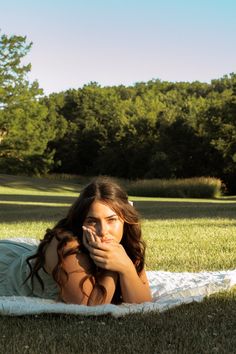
column 151, row 210
column 206, row 327
column 42, row 184
column 21, row 212
column 185, row 210
column 54, row 199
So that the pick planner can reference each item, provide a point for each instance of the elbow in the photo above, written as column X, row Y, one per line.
column 98, row 301
column 149, row 298
column 74, row 299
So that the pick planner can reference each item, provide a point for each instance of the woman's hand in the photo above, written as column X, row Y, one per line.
column 106, row 253
column 89, row 236
column 110, row 255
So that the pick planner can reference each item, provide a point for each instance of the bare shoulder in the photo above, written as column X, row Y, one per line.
column 78, row 268
column 74, row 262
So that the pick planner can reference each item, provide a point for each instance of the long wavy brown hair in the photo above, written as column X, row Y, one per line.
column 69, row 228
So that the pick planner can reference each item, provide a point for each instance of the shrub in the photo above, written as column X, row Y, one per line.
column 198, row 187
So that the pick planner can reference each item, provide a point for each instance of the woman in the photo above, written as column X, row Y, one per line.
column 95, row 255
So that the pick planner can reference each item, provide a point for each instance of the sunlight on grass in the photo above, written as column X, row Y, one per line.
column 223, row 200
column 184, row 245
column 181, row 235
column 25, row 229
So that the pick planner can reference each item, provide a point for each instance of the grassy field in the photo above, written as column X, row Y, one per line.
column 181, row 235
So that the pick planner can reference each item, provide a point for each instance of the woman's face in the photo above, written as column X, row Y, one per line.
column 104, row 221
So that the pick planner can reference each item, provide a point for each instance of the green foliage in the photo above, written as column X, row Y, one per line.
column 26, row 123
column 202, row 187
column 150, row 130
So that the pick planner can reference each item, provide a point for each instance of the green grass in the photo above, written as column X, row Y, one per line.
column 181, row 235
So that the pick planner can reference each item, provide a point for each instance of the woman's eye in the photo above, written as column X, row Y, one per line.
column 112, row 220
column 91, row 222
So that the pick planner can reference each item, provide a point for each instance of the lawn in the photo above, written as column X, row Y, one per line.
column 181, row 235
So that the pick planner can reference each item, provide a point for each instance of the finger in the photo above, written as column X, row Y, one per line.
column 93, row 236
column 103, row 246
column 88, row 234
column 97, row 239
column 97, row 252
column 100, row 262
column 86, row 237
column 85, row 241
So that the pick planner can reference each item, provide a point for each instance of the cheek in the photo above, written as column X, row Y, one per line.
column 118, row 229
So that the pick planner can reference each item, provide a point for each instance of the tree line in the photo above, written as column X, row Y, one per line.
column 154, row 129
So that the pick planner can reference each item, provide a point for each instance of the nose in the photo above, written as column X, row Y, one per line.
column 102, row 229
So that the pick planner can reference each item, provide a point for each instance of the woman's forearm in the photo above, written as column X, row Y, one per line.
column 108, row 280
column 133, row 288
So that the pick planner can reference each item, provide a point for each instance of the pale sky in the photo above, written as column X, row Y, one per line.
column 117, row 42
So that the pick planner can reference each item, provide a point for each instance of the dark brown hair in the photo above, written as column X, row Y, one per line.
column 69, row 228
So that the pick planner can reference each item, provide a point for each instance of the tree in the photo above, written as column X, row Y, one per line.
column 25, row 123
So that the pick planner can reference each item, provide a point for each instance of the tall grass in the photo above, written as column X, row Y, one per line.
column 201, row 187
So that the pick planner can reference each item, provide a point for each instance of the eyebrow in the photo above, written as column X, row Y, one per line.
column 95, row 218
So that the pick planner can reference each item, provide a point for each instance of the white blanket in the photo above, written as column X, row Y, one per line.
column 168, row 290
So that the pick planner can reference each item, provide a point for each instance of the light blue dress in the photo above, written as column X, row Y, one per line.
column 14, row 271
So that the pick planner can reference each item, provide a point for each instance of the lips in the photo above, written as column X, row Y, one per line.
column 107, row 239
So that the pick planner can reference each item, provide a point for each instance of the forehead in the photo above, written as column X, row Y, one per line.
column 100, row 209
